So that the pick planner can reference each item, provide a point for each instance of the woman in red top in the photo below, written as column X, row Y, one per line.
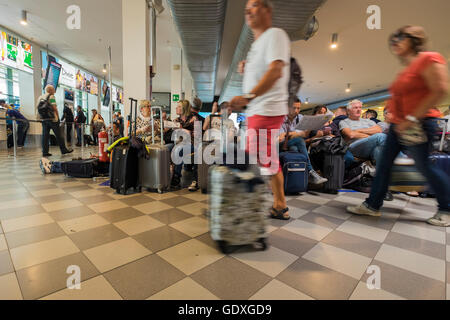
column 422, row 84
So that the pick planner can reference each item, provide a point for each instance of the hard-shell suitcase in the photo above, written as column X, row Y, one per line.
column 80, row 168
column 334, row 170
column 124, row 164
column 238, row 206
column 154, row 173
column 295, row 172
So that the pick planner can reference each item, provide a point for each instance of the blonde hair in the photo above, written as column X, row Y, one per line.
column 185, row 108
column 144, row 103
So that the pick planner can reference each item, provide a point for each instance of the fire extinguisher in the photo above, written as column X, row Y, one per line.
column 103, row 146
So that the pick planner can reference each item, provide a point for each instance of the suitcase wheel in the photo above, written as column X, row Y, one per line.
column 261, row 244
column 204, row 190
column 223, row 246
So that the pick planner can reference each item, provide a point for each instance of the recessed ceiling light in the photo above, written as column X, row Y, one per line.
column 104, row 68
column 348, row 88
column 24, row 20
column 334, row 41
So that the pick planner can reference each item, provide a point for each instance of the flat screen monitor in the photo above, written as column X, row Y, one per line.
column 68, row 95
column 107, row 97
column 52, row 74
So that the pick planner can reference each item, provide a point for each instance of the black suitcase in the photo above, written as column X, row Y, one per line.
column 334, row 170
column 124, row 164
column 80, row 168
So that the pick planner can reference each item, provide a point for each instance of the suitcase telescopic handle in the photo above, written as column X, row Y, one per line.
column 160, row 124
column 131, row 116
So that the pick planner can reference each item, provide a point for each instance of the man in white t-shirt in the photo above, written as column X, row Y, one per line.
column 265, row 85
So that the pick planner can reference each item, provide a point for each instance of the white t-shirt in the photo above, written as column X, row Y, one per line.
column 274, row 44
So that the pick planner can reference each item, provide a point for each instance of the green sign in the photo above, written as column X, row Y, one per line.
column 175, row 97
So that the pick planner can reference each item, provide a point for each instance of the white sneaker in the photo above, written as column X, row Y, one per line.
column 440, row 219
column 45, row 165
column 401, row 161
column 193, row 187
column 315, row 178
column 362, row 210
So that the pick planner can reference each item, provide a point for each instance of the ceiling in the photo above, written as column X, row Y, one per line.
column 362, row 58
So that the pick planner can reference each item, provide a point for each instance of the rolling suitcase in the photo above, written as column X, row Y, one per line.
column 124, row 163
column 334, row 170
column 80, row 168
column 295, row 172
column 154, row 173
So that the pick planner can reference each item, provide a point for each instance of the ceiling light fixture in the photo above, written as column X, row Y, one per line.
column 24, row 20
column 348, row 88
column 307, row 101
column 334, row 41
column 104, row 68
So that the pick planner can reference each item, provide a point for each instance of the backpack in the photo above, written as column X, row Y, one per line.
column 44, row 109
column 295, row 81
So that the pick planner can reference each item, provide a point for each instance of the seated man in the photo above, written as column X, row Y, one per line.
column 295, row 140
column 372, row 115
column 339, row 115
column 364, row 137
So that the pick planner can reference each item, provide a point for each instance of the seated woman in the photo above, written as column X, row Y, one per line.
column 186, row 120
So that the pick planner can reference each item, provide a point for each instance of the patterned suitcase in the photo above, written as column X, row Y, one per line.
column 238, row 207
column 154, row 173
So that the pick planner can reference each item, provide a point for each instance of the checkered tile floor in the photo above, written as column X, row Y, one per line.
column 151, row 246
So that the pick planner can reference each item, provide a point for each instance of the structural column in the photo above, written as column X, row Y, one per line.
column 175, row 80
column 136, row 50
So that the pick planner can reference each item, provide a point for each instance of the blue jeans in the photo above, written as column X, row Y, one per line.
column 368, row 148
column 179, row 167
column 78, row 135
column 420, row 153
column 298, row 145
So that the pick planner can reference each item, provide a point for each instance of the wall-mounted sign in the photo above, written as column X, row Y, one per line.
column 67, row 74
column 175, row 97
column 15, row 53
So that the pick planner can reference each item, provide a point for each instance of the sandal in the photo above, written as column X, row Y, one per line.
column 279, row 214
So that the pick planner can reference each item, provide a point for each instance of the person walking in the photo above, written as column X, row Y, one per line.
column 422, row 84
column 51, row 123
column 68, row 118
column 265, row 84
column 80, row 121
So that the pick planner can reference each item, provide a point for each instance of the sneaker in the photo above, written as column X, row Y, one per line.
column 193, row 187
column 401, row 161
column 440, row 219
column 363, row 211
column 47, row 155
column 388, row 196
column 175, row 181
column 45, row 165
column 315, row 178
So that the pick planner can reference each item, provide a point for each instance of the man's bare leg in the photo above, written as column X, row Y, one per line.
column 279, row 200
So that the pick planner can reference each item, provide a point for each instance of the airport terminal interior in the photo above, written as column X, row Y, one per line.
column 157, row 245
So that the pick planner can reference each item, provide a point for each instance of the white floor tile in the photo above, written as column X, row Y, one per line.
column 271, row 261
column 276, row 290
column 190, row 256
column 47, row 192
column 420, row 232
column 193, row 227
column 13, row 204
column 412, row 261
column 82, row 223
column 363, row 293
column 107, row 206
column 3, row 245
column 86, row 193
column 152, row 207
column 40, row 252
column 9, row 287
column 314, row 199
column 196, row 208
column 117, row 253
column 138, row 225
column 25, row 222
column 60, row 205
column 346, row 262
column 186, row 288
column 306, row 229
column 332, row 212
column 363, row 231
column 97, row 288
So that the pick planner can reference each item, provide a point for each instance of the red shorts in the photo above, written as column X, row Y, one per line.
column 262, row 141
